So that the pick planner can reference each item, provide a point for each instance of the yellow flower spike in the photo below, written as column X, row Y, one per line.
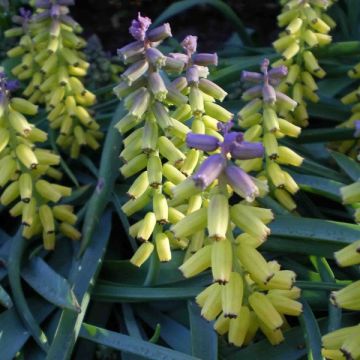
column 232, row 295
column 265, row 311
column 238, row 327
column 333, row 354
column 349, row 255
column 290, row 184
column 294, row 293
column 250, row 108
column 288, row 128
column 19, row 123
column 47, row 190
column 350, row 193
column 70, row 231
column 46, row 157
column 135, row 165
column 254, row 263
column 147, row 227
column 249, row 223
column 284, row 305
column 275, row 337
column 168, row 150
column 64, row 213
column 154, row 171
column 218, row 216
column 348, row 297
column 49, row 241
column 26, row 156
column 288, row 157
column 190, row 224
column 276, row 174
column 161, row 208
column 247, row 239
column 47, row 219
column 221, row 325
column 195, row 203
column 142, row 254
column 270, row 120
column 28, row 212
column 163, row 247
column 10, row 194
column 171, row 173
column 271, row 146
column 252, row 329
column 212, row 306
column 284, row 198
column 23, row 106
column 4, row 139
column 336, row 338
column 17, row 209
column 221, row 261
column 197, row 263
column 282, row 280
column 351, row 346
column 196, row 242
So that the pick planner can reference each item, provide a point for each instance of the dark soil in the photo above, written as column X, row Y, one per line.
column 110, row 20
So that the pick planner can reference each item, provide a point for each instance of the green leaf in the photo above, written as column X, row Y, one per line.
column 311, row 332
column 323, row 135
column 174, row 334
column 5, row 299
column 329, row 109
column 18, row 247
column 345, row 48
column 347, row 164
column 126, row 293
column 83, row 276
column 204, row 341
column 181, row 6
column 318, row 185
column 49, row 284
column 130, row 345
column 333, row 86
column 108, row 173
column 13, row 334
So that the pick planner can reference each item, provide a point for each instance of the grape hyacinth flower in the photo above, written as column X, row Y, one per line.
column 263, row 118
column 26, row 171
column 306, row 26
column 52, row 62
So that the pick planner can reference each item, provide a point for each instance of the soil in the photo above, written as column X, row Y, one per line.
column 110, row 20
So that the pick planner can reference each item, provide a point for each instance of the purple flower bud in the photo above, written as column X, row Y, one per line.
column 178, row 56
column 192, row 75
column 246, row 150
column 286, row 99
column 253, row 92
column 174, row 65
column 179, row 83
column 264, row 66
column 251, row 76
column 202, row 142
column 68, row 20
column 134, row 48
column 241, row 182
column 268, row 94
column 25, row 14
column 55, row 11
column 357, row 128
column 139, row 27
column 209, row 170
column 278, row 72
column 205, row 59
column 189, row 44
column 155, row 57
column 231, row 138
column 43, row 4
column 159, row 33
column 12, row 85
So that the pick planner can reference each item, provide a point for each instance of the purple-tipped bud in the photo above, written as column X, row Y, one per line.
column 155, row 57
column 290, row 103
column 192, row 75
column 268, row 94
column 68, row 20
column 179, row 83
column 132, row 49
column 264, row 66
column 159, row 33
column 205, row 59
column 202, row 142
column 278, row 72
column 43, row 4
column 241, row 183
column 252, row 93
column 178, row 56
column 189, row 44
column 246, row 150
column 139, row 27
column 41, row 16
column 209, row 171
column 55, row 11
column 357, row 128
column 251, row 76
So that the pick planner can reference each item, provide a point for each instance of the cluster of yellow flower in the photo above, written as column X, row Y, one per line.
column 307, row 26
column 53, row 63
column 24, row 168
